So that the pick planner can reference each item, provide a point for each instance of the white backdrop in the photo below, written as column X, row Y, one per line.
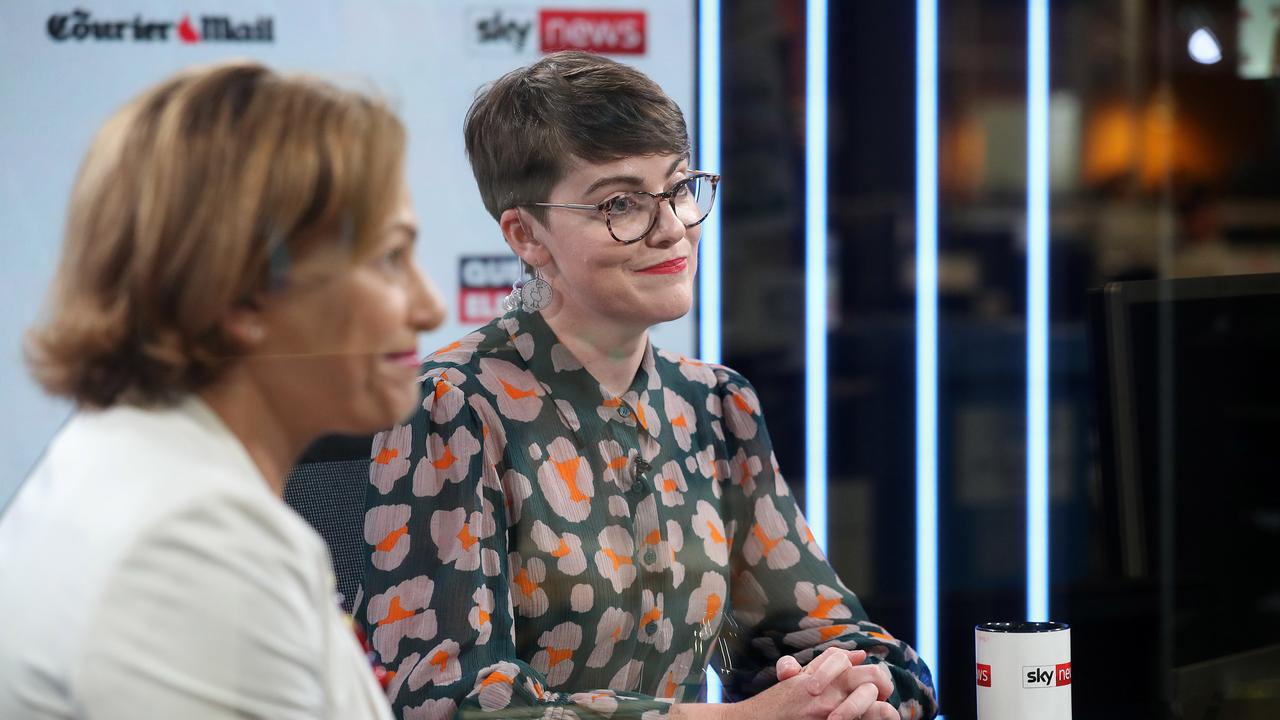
column 62, row 75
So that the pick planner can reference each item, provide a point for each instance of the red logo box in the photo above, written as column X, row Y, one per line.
column 984, row 675
column 1062, row 674
column 598, row 31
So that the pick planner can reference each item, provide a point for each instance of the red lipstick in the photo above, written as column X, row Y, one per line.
column 670, row 267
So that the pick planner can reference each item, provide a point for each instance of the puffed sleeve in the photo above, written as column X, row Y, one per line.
column 438, row 584
column 786, row 598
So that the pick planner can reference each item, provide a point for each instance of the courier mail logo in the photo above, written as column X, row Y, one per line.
column 80, row 25
column 1046, row 676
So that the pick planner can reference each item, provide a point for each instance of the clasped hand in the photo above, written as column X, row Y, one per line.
column 836, row 685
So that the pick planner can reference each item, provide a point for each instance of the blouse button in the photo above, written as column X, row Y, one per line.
column 624, row 411
column 650, row 556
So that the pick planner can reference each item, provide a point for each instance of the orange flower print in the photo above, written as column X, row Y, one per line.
column 568, row 415
column 628, row 676
column 706, row 604
column 822, row 604
column 390, row 460
column 492, row 430
column 779, row 483
column 401, row 673
column 516, row 488
column 582, row 597
column 523, row 342
column 741, row 408
column 481, row 616
column 675, row 543
column 386, row 528
column 671, row 484
column 526, row 585
column 806, row 536
column 749, row 598
column 617, row 464
column 562, row 360
column 911, row 710
column 649, row 535
column 743, row 469
column 518, row 392
column 680, row 418
column 614, row 559
column 615, row 626
column 566, row 480
column 618, row 506
column 458, row 352
column 555, row 659
column 459, row 538
column 439, row 667
column 402, row 612
column 672, row 684
column 691, row 369
column 444, row 462
column 708, row 525
column 646, row 416
column 599, row 702
column 816, row 637
column 444, row 396
column 768, row 538
column 566, row 549
column 495, row 685
column 654, row 628
column 442, row 709
column 712, row 467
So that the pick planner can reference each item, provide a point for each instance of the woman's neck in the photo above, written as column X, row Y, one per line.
column 268, row 438
column 612, row 354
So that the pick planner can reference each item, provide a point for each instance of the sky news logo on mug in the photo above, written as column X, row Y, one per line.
column 1046, row 676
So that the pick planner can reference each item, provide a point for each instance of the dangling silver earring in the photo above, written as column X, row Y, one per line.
column 512, row 300
column 536, row 293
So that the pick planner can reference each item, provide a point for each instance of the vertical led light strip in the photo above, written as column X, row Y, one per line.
column 708, row 144
column 927, row 330
column 815, row 269
column 709, row 321
column 1038, row 310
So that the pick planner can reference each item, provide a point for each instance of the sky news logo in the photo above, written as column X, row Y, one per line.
column 483, row 281
column 80, row 25
column 1046, row 676
column 608, row 32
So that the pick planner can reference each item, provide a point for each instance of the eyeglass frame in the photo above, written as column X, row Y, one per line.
column 669, row 196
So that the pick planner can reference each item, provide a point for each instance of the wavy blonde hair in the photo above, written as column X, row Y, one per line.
column 193, row 198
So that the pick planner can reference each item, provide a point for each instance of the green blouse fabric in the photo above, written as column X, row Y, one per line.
column 539, row 547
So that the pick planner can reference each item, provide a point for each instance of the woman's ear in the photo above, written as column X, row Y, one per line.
column 517, row 230
column 246, row 325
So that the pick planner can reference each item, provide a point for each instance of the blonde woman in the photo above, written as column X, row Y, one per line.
column 237, row 279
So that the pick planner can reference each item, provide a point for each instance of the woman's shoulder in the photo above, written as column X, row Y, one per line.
column 492, row 341
column 694, row 373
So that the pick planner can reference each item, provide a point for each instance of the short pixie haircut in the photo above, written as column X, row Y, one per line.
column 524, row 127
column 191, row 201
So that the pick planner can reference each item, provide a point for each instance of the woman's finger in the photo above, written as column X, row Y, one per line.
column 856, row 704
column 788, row 667
column 833, row 666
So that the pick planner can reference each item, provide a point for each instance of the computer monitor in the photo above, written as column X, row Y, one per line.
column 1188, row 379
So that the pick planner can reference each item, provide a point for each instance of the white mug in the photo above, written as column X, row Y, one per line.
column 1023, row 670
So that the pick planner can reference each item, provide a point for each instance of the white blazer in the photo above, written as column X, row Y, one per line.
column 148, row 571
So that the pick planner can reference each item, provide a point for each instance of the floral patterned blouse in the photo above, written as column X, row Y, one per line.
column 537, row 544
